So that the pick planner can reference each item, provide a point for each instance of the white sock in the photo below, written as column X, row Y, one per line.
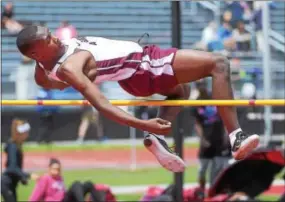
column 232, row 135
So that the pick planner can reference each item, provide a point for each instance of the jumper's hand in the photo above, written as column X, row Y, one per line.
column 158, row 126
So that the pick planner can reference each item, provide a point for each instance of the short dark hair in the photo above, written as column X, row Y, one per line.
column 54, row 161
column 29, row 35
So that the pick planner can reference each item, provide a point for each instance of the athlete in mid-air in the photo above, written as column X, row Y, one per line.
column 141, row 71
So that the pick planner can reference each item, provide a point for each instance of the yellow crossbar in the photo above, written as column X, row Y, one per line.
column 272, row 102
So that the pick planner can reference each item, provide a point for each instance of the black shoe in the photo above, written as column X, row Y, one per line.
column 165, row 156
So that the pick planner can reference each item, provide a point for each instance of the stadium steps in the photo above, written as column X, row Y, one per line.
column 115, row 20
column 278, row 17
column 192, row 26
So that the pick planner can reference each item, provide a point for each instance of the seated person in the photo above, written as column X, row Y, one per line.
column 209, row 34
column 242, row 37
column 225, row 40
column 50, row 187
column 12, row 25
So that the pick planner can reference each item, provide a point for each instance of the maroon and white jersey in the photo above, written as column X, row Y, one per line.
column 111, row 56
column 141, row 71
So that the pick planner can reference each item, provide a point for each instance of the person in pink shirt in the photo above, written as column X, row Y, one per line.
column 50, row 187
column 66, row 31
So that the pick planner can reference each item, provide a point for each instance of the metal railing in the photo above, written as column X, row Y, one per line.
column 277, row 40
column 277, row 36
column 214, row 6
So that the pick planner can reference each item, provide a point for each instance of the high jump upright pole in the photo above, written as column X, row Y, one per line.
column 178, row 135
column 266, row 70
column 133, row 144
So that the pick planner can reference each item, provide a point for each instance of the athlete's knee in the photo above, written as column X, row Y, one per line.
column 222, row 67
column 180, row 92
column 183, row 92
column 187, row 90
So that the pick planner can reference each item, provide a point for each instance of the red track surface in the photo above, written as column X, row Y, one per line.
column 275, row 190
column 92, row 159
column 105, row 158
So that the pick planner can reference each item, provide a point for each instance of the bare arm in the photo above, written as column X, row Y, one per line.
column 72, row 72
column 198, row 129
column 44, row 81
column 199, row 132
column 39, row 190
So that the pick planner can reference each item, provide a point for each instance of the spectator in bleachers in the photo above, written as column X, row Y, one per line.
column 50, row 187
column 225, row 30
column 239, row 10
column 225, row 40
column 12, row 25
column 242, row 37
column 257, row 20
column 209, row 34
column 66, row 31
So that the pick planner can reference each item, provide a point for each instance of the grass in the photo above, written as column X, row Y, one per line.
column 136, row 197
column 116, row 177
column 281, row 174
column 79, row 147
column 124, row 177
column 128, row 197
column 269, row 198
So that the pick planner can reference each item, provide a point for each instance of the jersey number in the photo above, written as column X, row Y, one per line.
column 84, row 40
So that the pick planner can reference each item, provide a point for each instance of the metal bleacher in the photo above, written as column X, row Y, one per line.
column 118, row 20
column 121, row 20
column 278, row 17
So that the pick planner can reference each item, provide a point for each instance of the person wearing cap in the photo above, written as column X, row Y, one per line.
column 13, row 173
column 50, row 187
